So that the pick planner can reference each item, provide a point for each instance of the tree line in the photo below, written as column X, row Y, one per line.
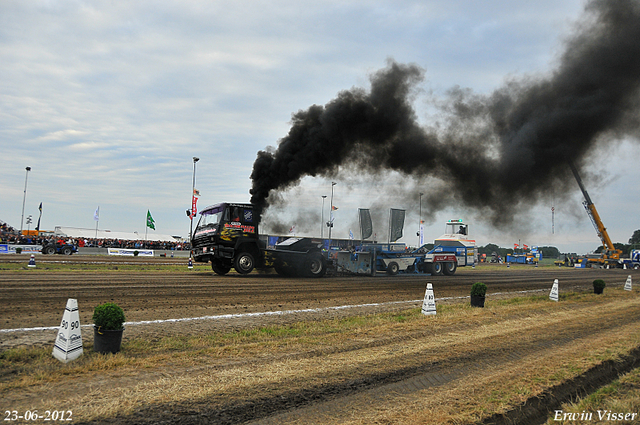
column 553, row 252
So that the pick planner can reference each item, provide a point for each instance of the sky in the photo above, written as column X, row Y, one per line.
column 108, row 102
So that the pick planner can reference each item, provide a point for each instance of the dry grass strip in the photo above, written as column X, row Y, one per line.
column 222, row 370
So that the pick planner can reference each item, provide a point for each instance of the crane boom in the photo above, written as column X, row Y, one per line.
column 610, row 251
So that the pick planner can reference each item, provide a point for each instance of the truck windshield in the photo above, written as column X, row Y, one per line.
column 211, row 216
column 456, row 227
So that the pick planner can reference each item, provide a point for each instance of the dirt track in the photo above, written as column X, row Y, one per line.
column 36, row 298
column 412, row 367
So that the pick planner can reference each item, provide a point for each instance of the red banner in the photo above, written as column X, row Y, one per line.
column 194, row 210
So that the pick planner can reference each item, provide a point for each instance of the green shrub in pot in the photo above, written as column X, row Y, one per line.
column 598, row 286
column 478, row 291
column 108, row 317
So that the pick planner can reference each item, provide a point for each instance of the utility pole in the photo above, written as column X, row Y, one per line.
column 322, row 218
column 331, row 212
column 193, row 188
column 24, row 198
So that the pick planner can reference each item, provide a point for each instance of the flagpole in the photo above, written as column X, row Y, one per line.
column 420, row 223
column 96, row 217
column 39, row 217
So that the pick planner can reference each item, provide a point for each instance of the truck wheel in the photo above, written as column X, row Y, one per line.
column 66, row 250
column 450, row 268
column 436, row 269
column 49, row 250
column 244, row 263
column 315, row 266
column 219, row 267
column 392, row 268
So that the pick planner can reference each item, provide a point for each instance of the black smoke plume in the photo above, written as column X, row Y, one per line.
column 494, row 153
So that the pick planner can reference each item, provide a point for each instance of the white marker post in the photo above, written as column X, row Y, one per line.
column 190, row 265
column 68, row 344
column 32, row 261
column 553, row 296
column 627, row 285
column 429, row 303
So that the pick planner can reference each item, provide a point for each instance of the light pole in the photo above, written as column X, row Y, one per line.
column 193, row 188
column 24, row 198
column 322, row 218
column 420, row 223
column 331, row 212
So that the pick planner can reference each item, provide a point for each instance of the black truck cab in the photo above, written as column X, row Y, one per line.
column 223, row 231
column 227, row 235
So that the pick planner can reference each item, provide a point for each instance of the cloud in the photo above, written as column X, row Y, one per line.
column 108, row 101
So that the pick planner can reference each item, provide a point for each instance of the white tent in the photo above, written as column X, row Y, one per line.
column 77, row 232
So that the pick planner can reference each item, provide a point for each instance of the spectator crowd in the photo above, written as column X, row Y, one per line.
column 9, row 235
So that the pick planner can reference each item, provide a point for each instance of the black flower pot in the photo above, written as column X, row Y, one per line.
column 477, row 301
column 598, row 290
column 107, row 341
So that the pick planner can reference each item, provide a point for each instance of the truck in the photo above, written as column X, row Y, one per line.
column 633, row 262
column 610, row 256
column 531, row 257
column 455, row 240
column 568, row 260
column 451, row 250
column 227, row 235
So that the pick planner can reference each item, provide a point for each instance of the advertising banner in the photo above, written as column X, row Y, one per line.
column 26, row 249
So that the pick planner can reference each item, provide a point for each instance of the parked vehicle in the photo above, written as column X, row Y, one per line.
column 58, row 247
column 610, row 256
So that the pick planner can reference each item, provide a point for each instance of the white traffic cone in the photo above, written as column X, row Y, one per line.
column 190, row 263
column 32, row 261
column 429, row 303
column 553, row 296
column 627, row 285
column 68, row 344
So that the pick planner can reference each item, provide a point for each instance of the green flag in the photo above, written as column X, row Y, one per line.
column 150, row 222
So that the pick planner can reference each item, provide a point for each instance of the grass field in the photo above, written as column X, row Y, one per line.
column 216, row 370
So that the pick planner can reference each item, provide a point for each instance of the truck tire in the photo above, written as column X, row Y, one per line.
column 49, row 250
column 393, row 268
column 244, row 262
column 450, row 268
column 67, row 250
column 219, row 267
column 436, row 269
column 315, row 265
